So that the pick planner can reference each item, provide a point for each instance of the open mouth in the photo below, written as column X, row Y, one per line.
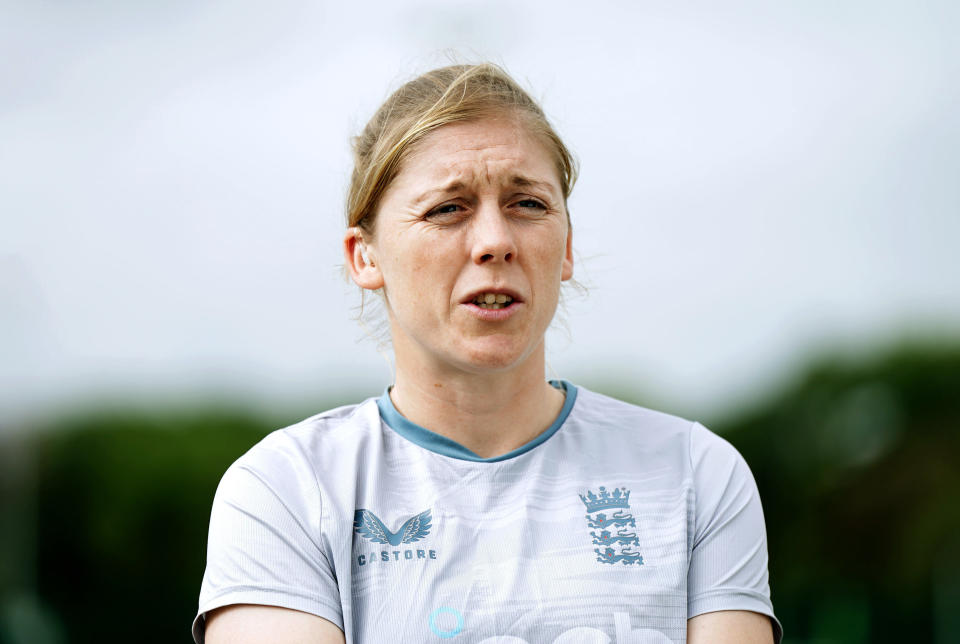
column 493, row 300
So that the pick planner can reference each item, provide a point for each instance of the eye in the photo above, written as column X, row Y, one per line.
column 445, row 209
column 531, row 203
column 448, row 213
column 530, row 207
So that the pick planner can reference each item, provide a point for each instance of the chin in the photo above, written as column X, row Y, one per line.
column 495, row 357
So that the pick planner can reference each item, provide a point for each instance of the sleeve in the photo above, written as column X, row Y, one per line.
column 265, row 545
column 728, row 560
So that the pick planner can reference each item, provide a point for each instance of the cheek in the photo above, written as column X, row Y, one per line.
column 415, row 276
column 550, row 256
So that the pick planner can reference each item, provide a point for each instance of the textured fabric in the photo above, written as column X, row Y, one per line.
column 616, row 525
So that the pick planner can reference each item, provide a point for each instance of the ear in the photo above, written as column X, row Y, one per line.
column 566, row 272
column 361, row 261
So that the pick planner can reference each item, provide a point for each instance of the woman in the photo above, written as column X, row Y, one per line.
column 474, row 500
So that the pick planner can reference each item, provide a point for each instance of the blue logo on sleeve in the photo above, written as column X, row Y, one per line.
column 369, row 526
column 598, row 505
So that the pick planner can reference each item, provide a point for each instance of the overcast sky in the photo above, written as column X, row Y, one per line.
column 759, row 180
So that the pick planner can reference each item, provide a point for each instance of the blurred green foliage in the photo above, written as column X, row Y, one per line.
column 856, row 463
column 858, row 469
column 122, row 499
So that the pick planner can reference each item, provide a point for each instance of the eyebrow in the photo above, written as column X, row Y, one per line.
column 447, row 189
column 524, row 182
column 516, row 180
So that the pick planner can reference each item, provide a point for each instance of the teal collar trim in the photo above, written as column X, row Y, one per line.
column 443, row 445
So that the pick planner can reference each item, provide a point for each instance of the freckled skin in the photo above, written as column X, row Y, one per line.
column 477, row 205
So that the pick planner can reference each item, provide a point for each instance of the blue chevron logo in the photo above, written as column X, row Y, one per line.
column 368, row 525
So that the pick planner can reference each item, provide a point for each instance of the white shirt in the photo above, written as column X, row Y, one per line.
column 617, row 524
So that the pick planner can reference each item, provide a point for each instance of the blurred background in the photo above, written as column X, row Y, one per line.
column 767, row 224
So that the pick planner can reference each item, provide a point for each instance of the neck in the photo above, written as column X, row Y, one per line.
column 488, row 413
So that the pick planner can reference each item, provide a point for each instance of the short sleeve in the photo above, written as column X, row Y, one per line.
column 728, row 560
column 264, row 545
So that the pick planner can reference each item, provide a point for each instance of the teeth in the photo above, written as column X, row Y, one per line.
column 492, row 300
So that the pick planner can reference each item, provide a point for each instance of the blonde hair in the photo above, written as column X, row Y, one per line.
column 439, row 97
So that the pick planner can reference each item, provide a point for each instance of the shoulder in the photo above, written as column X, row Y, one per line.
column 289, row 461
column 604, row 412
column 598, row 413
column 304, row 440
column 617, row 436
column 715, row 460
column 703, row 457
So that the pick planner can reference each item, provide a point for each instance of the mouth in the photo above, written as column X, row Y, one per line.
column 492, row 300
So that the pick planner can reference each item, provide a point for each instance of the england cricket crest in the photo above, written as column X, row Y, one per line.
column 612, row 526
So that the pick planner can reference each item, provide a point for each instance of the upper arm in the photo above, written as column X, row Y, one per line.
column 250, row 624
column 266, row 545
column 730, row 627
column 727, row 578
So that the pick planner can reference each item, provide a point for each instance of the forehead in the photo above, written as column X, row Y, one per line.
column 489, row 151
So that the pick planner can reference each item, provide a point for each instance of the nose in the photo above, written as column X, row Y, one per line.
column 493, row 237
